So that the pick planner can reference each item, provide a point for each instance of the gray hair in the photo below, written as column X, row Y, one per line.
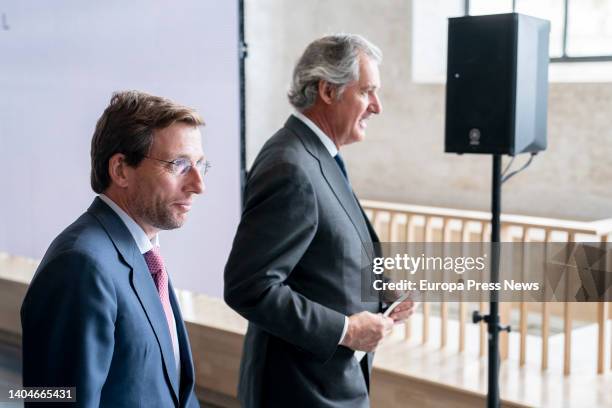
column 334, row 59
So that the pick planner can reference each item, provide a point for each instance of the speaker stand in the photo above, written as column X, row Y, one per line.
column 492, row 319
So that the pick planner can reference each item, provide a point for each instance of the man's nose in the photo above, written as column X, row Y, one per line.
column 196, row 181
column 376, row 104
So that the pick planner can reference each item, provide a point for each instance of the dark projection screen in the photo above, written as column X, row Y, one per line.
column 60, row 63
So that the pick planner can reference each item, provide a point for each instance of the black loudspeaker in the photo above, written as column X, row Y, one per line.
column 496, row 84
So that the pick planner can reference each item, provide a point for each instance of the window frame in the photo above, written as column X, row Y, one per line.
column 564, row 58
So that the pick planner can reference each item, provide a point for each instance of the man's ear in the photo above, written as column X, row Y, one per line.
column 118, row 170
column 327, row 92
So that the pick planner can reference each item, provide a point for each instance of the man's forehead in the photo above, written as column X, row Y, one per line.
column 369, row 74
column 369, row 81
column 182, row 140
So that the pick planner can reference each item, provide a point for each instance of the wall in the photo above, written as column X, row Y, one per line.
column 402, row 159
column 61, row 63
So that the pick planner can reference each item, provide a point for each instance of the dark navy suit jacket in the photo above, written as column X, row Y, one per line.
column 92, row 319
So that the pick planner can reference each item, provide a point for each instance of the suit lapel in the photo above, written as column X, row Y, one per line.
column 333, row 176
column 371, row 230
column 149, row 299
column 142, row 283
column 187, row 374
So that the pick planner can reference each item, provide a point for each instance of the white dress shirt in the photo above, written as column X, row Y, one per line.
column 333, row 151
column 145, row 245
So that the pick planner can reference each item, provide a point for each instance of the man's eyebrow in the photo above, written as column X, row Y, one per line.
column 186, row 156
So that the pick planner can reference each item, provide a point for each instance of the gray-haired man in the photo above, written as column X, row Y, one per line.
column 295, row 267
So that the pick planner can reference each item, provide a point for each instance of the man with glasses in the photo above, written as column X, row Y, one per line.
column 100, row 314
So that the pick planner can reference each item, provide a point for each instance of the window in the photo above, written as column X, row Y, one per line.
column 581, row 31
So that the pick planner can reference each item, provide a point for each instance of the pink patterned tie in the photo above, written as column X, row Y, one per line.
column 156, row 266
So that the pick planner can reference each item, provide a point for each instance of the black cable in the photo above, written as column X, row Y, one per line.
column 507, row 167
column 515, row 172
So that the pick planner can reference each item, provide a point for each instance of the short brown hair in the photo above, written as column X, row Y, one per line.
column 127, row 126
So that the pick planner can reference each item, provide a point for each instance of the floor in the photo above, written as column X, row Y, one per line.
column 10, row 374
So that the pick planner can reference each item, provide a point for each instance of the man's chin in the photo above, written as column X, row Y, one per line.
column 171, row 223
column 178, row 222
column 360, row 136
column 354, row 138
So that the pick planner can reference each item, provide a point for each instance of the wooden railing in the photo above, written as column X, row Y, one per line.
column 454, row 374
column 412, row 223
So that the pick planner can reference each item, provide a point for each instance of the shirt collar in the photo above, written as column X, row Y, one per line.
column 143, row 242
column 326, row 140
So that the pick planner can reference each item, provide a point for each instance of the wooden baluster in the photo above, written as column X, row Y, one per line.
column 567, row 321
column 410, row 228
column 410, row 239
column 390, row 236
column 608, row 310
column 462, row 320
column 374, row 220
column 608, row 304
column 545, row 305
column 602, row 315
column 443, row 303
column 425, row 334
column 504, row 307
column 523, row 305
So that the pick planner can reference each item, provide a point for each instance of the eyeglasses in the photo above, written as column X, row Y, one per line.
column 182, row 166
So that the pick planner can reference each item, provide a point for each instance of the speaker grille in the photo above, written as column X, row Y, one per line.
column 481, row 84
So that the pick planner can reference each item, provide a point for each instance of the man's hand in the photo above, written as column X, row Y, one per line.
column 403, row 311
column 366, row 330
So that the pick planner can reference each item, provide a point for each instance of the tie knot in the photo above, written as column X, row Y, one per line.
column 154, row 260
column 340, row 163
